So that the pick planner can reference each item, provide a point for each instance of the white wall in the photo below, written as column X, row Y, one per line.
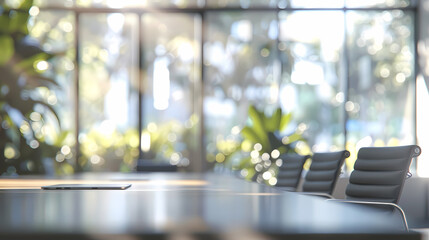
column 422, row 114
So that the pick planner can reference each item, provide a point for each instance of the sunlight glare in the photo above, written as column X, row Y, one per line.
column 116, row 21
column 161, row 84
column 145, row 141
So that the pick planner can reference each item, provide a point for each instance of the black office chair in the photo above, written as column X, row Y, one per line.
column 379, row 175
column 144, row 165
column 290, row 171
column 324, row 171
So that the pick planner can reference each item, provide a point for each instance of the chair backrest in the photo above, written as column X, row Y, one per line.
column 379, row 173
column 324, row 171
column 290, row 171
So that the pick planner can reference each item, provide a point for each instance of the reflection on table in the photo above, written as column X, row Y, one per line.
column 161, row 205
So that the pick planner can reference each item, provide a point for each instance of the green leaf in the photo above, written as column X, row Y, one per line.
column 27, row 64
column 29, row 61
column 50, row 108
column 283, row 149
column 295, row 137
column 4, row 24
column 249, row 134
column 61, row 138
column 7, row 49
column 245, row 163
column 273, row 123
column 26, row 5
column 25, row 48
column 39, row 81
column 12, row 133
column 274, row 141
column 285, row 121
column 18, row 22
column 251, row 173
column 258, row 126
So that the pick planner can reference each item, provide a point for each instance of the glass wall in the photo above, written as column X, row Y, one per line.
column 36, row 90
column 346, row 76
column 313, row 84
column 241, row 69
column 108, row 92
column 171, row 88
column 381, row 102
column 172, row 81
column 53, row 31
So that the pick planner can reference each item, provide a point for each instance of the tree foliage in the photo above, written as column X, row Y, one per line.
column 22, row 111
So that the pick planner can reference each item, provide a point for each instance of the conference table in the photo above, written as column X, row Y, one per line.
column 180, row 206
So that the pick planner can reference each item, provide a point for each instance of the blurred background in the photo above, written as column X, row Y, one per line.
column 204, row 85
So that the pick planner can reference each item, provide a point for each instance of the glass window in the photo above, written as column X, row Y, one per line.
column 241, row 68
column 54, row 31
column 108, row 92
column 172, row 63
column 381, row 79
column 36, row 106
column 312, row 87
column 185, row 77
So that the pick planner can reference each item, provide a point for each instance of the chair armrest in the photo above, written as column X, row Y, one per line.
column 393, row 205
column 324, row 195
column 287, row 189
